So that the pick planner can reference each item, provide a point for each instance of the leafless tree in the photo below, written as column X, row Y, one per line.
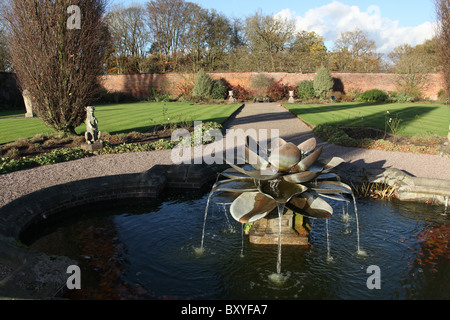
column 268, row 36
column 4, row 63
column 130, row 38
column 443, row 35
column 58, row 62
column 169, row 22
column 355, row 52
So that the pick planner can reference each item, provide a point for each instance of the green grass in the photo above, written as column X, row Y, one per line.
column 417, row 119
column 120, row 118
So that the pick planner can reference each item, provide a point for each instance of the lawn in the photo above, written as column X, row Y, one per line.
column 121, row 118
column 417, row 119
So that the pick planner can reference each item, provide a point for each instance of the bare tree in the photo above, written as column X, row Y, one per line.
column 57, row 61
column 443, row 35
column 268, row 36
column 355, row 52
column 129, row 38
column 169, row 22
column 4, row 63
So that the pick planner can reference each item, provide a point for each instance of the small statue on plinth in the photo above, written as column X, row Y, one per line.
column 92, row 135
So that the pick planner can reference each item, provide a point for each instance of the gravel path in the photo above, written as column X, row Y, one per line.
column 252, row 116
column 292, row 129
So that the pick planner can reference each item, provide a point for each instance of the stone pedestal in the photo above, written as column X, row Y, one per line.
column 294, row 230
column 28, row 100
column 291, row 97
column 93, row 147
column 231, row 99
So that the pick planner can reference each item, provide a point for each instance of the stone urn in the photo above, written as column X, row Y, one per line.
column 291, row 97
column 231, row 99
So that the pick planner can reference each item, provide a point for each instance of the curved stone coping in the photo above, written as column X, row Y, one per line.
column 37, row 275
column 16, row 216
column 408, row 188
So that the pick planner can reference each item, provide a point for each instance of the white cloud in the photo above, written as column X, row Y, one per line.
column 332, row 19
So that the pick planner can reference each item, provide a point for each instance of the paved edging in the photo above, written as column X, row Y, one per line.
column 407, row 187
column 37, row 275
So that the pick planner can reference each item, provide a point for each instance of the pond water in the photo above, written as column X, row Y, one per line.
column 141, row 249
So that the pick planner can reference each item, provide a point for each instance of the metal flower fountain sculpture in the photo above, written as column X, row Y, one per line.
column 282, row 176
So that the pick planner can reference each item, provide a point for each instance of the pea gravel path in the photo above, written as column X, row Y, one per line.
column 253, row 116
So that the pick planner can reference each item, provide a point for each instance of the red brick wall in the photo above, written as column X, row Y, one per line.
column 139, row 84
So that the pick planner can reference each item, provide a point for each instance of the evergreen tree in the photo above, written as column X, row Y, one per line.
column 323, row 83
column 203, row 85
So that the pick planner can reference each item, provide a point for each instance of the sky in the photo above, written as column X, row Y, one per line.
column 389, row 23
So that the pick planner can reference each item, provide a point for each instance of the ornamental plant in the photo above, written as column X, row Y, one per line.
column 305, row 90
column 323, row 83
column 279, row 91
column 374, row 95
column 203, row 85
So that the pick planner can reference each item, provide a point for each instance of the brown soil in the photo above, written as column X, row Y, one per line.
column 44, row 144
column 426, row 144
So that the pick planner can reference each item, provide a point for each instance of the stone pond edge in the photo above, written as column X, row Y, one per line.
column 39, row 276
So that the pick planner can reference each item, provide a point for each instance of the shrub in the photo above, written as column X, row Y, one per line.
column 260, row 85
column 443, row 96
column 61, row 155
column 374, row 95
column 219, row 90
column 203, row 85
column 323, row 83
column 336, row 95
column 240, row 93
column 410, row 89
column 334, row 135
column 402, row 97
column 305, row 90
column 279, row 91
column 158, row 96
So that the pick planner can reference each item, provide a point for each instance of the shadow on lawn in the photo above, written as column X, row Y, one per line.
column 407, row 114
column 151, row 127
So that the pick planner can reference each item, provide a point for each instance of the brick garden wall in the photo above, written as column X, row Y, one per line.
column 173, row 83
column 10, row 94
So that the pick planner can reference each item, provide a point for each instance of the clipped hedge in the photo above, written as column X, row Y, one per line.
column 305, row 90
column 374, row 95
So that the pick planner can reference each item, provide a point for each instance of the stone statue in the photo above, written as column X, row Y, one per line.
column 27, row 99
column 92, row 134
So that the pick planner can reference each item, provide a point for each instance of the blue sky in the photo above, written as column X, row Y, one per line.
column 388, row 23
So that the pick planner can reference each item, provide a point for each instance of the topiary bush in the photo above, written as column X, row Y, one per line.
column 305, row 90
column 323, row 83
column 374, row 95
column 203, row 85
column 219, row 90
